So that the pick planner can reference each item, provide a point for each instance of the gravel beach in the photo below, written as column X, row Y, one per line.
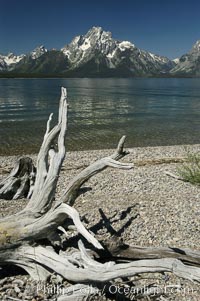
column 144, row 205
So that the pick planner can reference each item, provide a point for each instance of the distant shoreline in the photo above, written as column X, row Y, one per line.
column 96, row 76
column 151, row 152
column 176, row 150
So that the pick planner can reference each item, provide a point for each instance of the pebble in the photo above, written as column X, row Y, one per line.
column 17, row 289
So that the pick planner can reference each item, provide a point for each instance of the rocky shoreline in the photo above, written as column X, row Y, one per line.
column 143, row 205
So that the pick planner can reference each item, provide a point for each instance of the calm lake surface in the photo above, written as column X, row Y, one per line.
column 149, row 111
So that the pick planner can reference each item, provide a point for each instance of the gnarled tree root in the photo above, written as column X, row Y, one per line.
column 20, row 182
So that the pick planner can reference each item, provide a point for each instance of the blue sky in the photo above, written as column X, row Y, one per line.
column 163, row 27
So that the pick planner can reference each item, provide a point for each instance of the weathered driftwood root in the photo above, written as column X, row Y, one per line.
column 20, row 181
column 80, row 267
column 33, row 238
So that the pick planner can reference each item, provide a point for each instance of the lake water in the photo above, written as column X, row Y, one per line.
column 149, row 111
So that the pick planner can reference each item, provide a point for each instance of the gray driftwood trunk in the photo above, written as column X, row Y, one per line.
column 19, row 184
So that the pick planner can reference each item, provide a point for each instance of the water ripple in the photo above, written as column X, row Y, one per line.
column 149, row 111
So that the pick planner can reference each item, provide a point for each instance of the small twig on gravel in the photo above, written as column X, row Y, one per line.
column 172, row 175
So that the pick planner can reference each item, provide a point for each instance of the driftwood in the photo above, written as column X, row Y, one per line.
column 19, row 184
column 33, row 238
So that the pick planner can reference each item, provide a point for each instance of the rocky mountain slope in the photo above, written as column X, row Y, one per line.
column 189, row 64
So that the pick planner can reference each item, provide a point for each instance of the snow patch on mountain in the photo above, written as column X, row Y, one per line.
column 66, row 52
column 110, row 55
column 158, row 58
column 85, row 45
column 176, row 61
column 13, row 59
column 125, row 45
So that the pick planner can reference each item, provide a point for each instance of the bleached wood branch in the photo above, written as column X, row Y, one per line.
column 48, row 171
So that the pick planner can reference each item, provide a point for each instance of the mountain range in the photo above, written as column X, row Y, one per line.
column 97, row 54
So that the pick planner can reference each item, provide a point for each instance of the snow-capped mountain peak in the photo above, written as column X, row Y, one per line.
column 83, row 47
column 37, row 52
column 11, row 58
column 99, row 45
column 8, row 61
column 196, row 47
column 94, row 31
